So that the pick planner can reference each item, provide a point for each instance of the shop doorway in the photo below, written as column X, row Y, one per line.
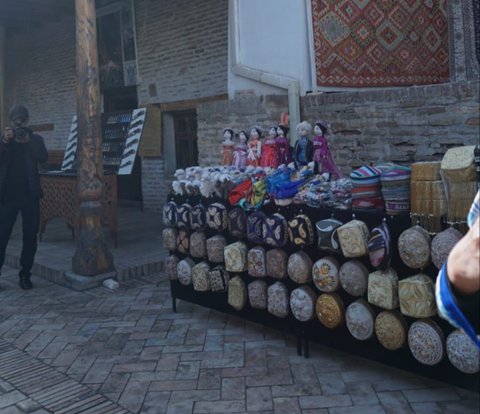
column 186, row 146
column 129, row 186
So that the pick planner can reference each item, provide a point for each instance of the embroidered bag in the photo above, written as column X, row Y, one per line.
column 327, row 235
column 219, row 278
column 184, row 271
column 299, row 267
column 256, row 262
column 442, row 244
column 198, row 217
column 170, row 213
column 257, row 294
column 215, row 247
column 278, row 300
column 276, row 263
column 353, row 238
column 275, row 230
column 169, row 236
column 417, row 296
column 414, row 247
column 353, row 277
column 302, row 303
column 237, row 293
column 217, row 218
column 426, row 342
column 391, row 330
column 200, row 277
column 330, row 310
column 198, row 244
column 171, row 263
column 183, row 215
column 325, row 274
column 183, row 241
column 360, row 320
column 383, row 289
column 255, row 227
column 237, row 222
column 380, row 246
column 300, row 230
column 235, row 255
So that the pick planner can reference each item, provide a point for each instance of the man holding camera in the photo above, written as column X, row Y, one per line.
column 21, row 151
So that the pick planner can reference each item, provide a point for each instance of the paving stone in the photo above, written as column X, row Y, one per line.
column 296, row 390
column 10, row 398
column 304, row 374
column 332, row 383
column 233, row 388
column 325, row 401
column 155, row 403
column 394, row 402
column 28, row 405
column 219, row 407
column 363, row 409
column 259, row 399
column 209, row 378
column 431, row 395
column 188, row 370
column 133, row 395
column 362, row 393
column 286, row 405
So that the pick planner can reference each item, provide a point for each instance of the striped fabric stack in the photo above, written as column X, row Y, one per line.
column 396, row 189
column 366, row 188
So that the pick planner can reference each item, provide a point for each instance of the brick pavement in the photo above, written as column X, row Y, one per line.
column 125, row 351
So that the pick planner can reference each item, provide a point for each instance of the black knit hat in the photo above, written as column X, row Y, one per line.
column 18, row 111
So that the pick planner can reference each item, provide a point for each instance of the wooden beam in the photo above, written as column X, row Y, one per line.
column 92, row 256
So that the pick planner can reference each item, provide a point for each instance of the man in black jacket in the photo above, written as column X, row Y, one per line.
column 21, row 151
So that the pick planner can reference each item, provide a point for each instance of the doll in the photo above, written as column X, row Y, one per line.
column 254, row 147
column 284, row 154
column 321, row 152
column 269, row 149
column 227, row 147
column 303, row 151
column 240, row 152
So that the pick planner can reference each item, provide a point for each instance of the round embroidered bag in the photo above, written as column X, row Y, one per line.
column 325, row 274
column 300, row 230
column 278, row 300
column 255, row 227
column 256, row 262
column 330, row 310
column 184, row 271
column 217, row 218
column 426, row 342
column 198, row 244
column 169, row 236
column 360, row 320
column 170, row 213
column 379, row 246
column 442, row 244
column 215, row 247
column 200, row 279
column 183, row 241
column 391, row 330
column 302, row 303
column 353, row 277
column 219, row 278
column 198, row 217
column 171, row 263
column 235, row 255
column 414, row 247
column 299, row 267
column 462, row 352
column 353, row 238
column 417, row 296
column 257, row 294
column 237, row 293
column 276, row 263
column 327, row 235
column 183, row 215
column 237, row 222
column 275, row 230
column 382, row 289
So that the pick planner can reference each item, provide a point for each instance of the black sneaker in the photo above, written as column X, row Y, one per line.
column 25, row 282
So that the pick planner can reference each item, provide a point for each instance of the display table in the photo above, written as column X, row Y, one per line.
column 313, row 330
column 61, row 200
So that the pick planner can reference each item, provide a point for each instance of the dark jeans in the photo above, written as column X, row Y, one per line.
column 30, row 210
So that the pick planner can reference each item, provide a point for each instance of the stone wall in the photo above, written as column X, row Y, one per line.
column 400, row 125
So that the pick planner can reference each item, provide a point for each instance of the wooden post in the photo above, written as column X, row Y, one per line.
column 3, row 54
column 92, row 256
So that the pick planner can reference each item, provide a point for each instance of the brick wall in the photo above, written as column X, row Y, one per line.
column 40, row 73
column 400, row 125
column 182, row 49
column 155, row 186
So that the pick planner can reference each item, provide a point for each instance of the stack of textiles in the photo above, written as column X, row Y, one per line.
column 366, row 188
column 396, row 189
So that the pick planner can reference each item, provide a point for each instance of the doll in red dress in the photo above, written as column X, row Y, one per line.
column 227, row 147
column 269, row 149
column 254, row 152
column 240, row 152
column 284, row 153
column 321, row 152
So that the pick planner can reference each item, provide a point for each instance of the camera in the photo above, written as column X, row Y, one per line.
column 20, row 133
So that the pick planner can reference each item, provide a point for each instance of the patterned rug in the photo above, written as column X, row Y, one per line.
column 362, row 43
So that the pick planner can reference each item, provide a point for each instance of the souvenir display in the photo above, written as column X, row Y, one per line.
column 303, row 150
column 254, row 145
column 278, row 300
column 257, row 294
column 327, row 235
column 391, row 329
column 171, row 263
column 183, row 215
column 219, row 279
column 198, row 217
column 256, row 262
column 275, row 230
column 302, row 303
column 353, row 277
column 198, row 244
column 300, row 230
column 217, row 218
column 237, row 222
column 353, row 238
column 396, row 189
column 379, row 246
column 284, row 154
column 414, row 247
column 183, row 241
column 383, row 289
column 269, row 149
column 227, row 147
column 276, row 263
column 417, row 296
column 235, row 256
column 200, row 277
column 442, row 244
column 426, row 342
column 325, row 274
column 170, row 213
column 462, row 352
column 240, row 151
column 169, row 236
column 360, row 320
column 321, row 152
column 330, row 310
column 299, row 267
column 366, row 188
column 237, row 293
column 255, row 226
column 215, row 248
column 184, row 271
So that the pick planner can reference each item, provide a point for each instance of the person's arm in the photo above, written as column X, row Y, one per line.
column 6, row 139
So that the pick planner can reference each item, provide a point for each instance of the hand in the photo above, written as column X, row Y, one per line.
column 8, row 134
column 463, row 265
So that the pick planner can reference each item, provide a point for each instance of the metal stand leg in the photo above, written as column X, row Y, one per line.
column 299, row 344
column 306, row 346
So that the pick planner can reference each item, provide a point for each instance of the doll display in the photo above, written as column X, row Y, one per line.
column 227, row 147
column 269, row 149
column 303, row 150
column 284, row 153
column 254, row 145
column 240, row 151
column 321, row 152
